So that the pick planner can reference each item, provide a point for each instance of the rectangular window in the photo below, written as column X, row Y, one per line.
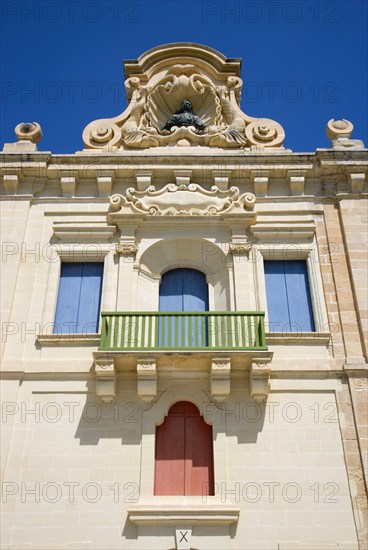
column 288, row 296
column 79, row 298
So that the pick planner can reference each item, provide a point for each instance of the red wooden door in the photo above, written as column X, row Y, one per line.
column 184, row 453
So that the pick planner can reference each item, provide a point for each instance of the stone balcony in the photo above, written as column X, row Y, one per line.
column 217, row 340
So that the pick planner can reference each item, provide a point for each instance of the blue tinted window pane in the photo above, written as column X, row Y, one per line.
column 277, row 303
column 79, row 298
column 183, row 289
column 288, row 296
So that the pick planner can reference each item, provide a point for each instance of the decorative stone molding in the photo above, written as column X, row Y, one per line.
column 106, row 379
column 259, row 379
column 187, row 200
column 147, row 378
column 339, row 132
column 184, row 514
column 68, row 186
column 220, row 377
column 105, row 182
column 182, row 177
column 83, row 231
column 283, row 229
column 221, row 179
column 126, row 248
column 156, row 86
column 260, row 180
column 144, row 179
column 296, row 185
column 240, row 248
column 288, row 338
column 57, row 340
column 297, row 181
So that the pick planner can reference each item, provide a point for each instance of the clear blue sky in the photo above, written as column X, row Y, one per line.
column 304, row 62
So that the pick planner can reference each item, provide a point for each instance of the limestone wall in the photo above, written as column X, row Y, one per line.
column 74, row 468
column 78, row 472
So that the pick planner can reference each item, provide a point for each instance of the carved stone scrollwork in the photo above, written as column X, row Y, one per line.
column 265, row 132
column 126, row 248
column 105, row 379
column 240, row 248
column 117, row 201
column 174, row 200
column 102, row 134
column 159, row 88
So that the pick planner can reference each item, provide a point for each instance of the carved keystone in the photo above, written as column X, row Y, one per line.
column 105, row 379
column 220, row 377
column 259, row 379
column 146, row 378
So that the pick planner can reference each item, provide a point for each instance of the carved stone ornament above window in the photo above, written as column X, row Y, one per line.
column 187, row 200
column 240, row 248
column 126, row 249
column 172, row 85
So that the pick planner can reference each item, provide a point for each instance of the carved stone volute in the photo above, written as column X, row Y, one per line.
column 160, row 81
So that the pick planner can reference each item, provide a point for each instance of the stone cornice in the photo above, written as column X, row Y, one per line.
column 38, row 170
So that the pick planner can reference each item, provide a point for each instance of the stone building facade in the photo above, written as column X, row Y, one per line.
column 184, row 326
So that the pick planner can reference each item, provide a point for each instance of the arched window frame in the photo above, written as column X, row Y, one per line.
column 193, row 439
column 156, row 415
column 183, row 252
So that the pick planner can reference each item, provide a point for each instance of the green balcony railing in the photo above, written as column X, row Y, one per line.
column 206, row 330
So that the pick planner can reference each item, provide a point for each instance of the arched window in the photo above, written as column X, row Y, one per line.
column 184, row 453
column 184, row 290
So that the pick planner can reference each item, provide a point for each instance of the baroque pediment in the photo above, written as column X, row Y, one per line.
column 159, row 82
column 182, row 200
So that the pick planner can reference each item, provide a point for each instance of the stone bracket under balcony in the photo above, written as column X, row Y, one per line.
column 150, row 337
column 147, row 378
column 256, row 367
column 106, row 379
column 259, row 379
